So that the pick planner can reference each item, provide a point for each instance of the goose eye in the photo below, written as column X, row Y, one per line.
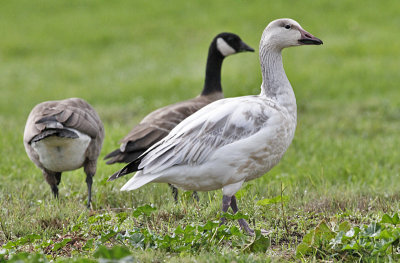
column 287, row 26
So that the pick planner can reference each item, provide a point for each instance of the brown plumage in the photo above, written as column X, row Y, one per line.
column 62, row 136
column 156, row 126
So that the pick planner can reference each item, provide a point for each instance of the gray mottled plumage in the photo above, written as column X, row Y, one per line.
column 156, row 126
column 56, row 127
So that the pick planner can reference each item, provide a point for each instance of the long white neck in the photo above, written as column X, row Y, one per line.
column 275, row 83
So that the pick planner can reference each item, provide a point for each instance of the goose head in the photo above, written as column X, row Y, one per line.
column 229, row 43
column 286, row 32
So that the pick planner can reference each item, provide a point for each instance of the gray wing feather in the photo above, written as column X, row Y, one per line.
column 71, row 113
column 159, row 123
column 197, row 137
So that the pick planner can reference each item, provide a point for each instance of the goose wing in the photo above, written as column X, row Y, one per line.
column 159, row 123
column 72, row 113
column 195, row 139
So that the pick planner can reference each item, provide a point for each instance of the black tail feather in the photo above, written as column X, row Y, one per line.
column 122, row 157
column 64, row 133
column 112, row 154
column 130, row 168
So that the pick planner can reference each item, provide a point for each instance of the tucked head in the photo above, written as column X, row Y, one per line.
column 229, row 43
column 286, row 32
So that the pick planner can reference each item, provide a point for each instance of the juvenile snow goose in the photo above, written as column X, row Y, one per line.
column 233, row 140
column 159, row 123
column 63, row 136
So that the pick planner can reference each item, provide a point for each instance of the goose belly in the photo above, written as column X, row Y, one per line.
column 245, row 160
column 59, row 154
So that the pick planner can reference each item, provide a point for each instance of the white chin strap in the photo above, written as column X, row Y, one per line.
column 224, row 48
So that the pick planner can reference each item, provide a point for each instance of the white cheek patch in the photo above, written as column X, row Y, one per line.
column 224, row 48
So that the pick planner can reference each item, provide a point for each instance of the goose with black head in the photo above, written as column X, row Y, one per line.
column 156, row 125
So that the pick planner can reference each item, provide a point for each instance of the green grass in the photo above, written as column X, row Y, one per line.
column 127, row 58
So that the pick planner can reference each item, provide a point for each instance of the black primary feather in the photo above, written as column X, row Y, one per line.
column 55, row 132
column 130, row 168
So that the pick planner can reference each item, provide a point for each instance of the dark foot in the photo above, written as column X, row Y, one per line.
column 231, row 201
column 195, row 196
column 53, row 179
column 89, row 182
column 174, row 192
column 245, row 227
column 54, row 189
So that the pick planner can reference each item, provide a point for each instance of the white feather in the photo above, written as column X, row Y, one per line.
column 233, row 140
column 62, row 154
column 224, row 47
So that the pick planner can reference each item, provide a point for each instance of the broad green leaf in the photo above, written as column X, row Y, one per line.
column 235, row 231
column 337, row 240
column 61, row 244
column 143, row 210
column 28, row 257
column 323, row 233
column 372, row 230
column 386, row 219
column 88, row 245
column 345, row 226
column 385, row 235
column 116, row 252
column 45, row 244
column 179, row 230
column 106, row 236
column 390, row 220
column 396, row 219
column 10, row 245
column 211, row 225
column 260, row 243
column 303, row 250
column 351, row 246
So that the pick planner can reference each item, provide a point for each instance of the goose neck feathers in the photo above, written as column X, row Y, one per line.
column 223, row 45
column 212, row 82
column 275, row 84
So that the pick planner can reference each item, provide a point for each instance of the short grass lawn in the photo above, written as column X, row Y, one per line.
column 333, row 197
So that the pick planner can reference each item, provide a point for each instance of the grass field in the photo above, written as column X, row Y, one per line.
column 127, row 58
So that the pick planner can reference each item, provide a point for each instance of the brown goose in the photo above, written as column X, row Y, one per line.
column 159, row 123
column 62, row 136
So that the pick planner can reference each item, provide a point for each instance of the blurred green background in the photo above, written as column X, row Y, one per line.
column 127, row 58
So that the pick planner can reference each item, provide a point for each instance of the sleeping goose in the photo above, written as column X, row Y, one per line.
column 159, row 123
column 62, row 136
column 234, row 140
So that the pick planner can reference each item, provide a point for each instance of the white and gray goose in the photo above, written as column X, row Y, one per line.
column 159, row 123
column 233, row 140
column 63, row 136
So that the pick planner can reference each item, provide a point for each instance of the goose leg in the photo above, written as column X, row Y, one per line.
column 174, row 192
column 89, row 182
column 90, row 170
column 53, row 179
column 58, row 178
column 226, row 202
column 242, row 223
column 195, row 196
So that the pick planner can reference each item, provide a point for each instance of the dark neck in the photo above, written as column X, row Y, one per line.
column 212, row 82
